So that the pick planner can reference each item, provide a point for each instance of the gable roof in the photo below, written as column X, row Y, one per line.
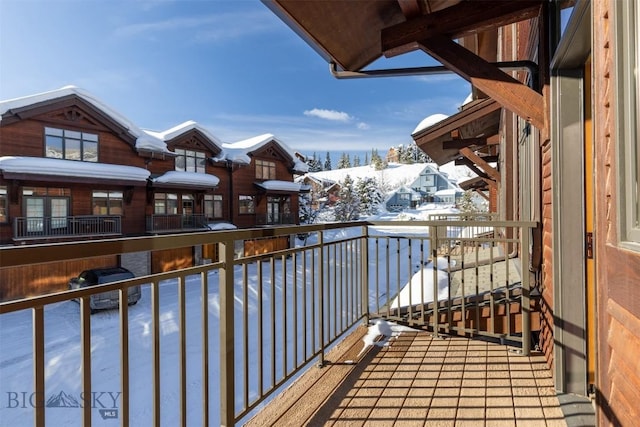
column 238, row 152
column 177, row 131
column 19, row 106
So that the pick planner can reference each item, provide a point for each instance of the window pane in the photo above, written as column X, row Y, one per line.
column 53, row 147
column 72, row 149
column 90, row 152
column 180, row 163
column 72, row 134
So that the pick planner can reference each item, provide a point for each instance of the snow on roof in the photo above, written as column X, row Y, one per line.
column 187, row 178
column 429, row 121
column 448, row 192
column 183, row 128
column 238, row 152
column 275, row 185
column 395, row 175
column 73, row 168
column 144, row 141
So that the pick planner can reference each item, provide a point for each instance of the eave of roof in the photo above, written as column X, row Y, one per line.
column 479, row 118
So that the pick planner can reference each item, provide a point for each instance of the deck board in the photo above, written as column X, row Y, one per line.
column 419, row 380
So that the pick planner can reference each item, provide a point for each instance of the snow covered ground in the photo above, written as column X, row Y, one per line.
column 62, row 342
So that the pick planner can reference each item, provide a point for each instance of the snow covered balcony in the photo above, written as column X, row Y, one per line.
column 33, row 228
column 210, row 344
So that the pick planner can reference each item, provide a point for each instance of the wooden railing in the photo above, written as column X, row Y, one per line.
column 255, row 322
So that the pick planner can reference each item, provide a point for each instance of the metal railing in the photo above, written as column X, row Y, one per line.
column 25, row 228
column 281, row 219
column 251, row 324
column 172, row 223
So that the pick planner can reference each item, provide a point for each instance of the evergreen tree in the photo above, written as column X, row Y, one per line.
column 376, row 160
column 344, row 162
column 327, row 162
column 370, row 195
column 348, row 206
column 314, row 163
column 366, row 159
column 356, row 161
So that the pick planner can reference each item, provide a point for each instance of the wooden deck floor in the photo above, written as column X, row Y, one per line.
column 419, row 380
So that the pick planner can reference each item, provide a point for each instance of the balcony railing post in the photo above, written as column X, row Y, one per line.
column 364, row 260
column 321, row 298
column 526, row 307
column 433, row 243
column 227, row 353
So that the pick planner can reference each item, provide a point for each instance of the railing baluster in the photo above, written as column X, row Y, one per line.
column 85, row 348
column 321, row 319
column 124, row 356
column 260, row 332
column 38, row 366
column 182, row 350
column 526, row 308
column 204, row 295
column 273, row 315
column 155, row 336
column 245, row 334
column 227, row 353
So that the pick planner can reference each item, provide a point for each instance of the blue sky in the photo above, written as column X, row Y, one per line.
column 232, row 66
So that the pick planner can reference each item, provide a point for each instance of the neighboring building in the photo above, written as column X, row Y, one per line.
column 323, row 191
column 71, row 168
column 403, row 198
column 560, row 124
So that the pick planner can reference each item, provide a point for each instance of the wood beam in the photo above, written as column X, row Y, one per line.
column 509, row 92
column 480, row 192
column 468, row 163
column 477, row 160
column 465, row 142
column 465, row 18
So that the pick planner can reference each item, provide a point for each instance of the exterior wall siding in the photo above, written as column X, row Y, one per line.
column 546, row 305
column 617, row 269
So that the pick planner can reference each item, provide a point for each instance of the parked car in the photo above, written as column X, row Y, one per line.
column 99, row 276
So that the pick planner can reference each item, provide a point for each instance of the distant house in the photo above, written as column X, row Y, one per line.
column 323, row 191
column 403, row 198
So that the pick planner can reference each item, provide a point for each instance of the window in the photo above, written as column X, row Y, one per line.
column 246, row 205
column 107, row 203
column 4, row 204
column 278, row 210
column 190, row 161
column 265, row 169
column 213, row 205
column 71, row 145
column 165, row 203
column 628, row 136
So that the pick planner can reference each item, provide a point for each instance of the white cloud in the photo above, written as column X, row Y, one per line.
column 338, row 116
column 221, row 26
column 363, row 126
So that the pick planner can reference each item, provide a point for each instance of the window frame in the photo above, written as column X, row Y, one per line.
column 110, row 195
column 246, row 204
column 265, row 169
column 66, row 137
column 628, row 128
column 167, row 197
column 216, row 209
column 198, row 160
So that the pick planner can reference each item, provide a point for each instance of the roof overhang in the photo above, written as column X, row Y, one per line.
column 472, row 127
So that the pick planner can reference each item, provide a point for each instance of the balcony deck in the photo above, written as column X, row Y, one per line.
column 419, row 380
